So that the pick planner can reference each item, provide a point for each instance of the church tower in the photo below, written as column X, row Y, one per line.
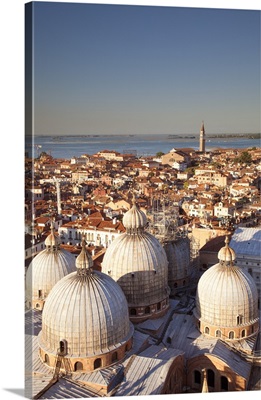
column 202, row 138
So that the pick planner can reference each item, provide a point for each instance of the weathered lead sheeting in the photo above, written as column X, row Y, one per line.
column 247, row 241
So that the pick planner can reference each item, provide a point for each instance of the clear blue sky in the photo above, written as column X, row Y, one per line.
column 118, row 69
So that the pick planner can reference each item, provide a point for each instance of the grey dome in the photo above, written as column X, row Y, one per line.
column 226, row 292
column 46, row 269
column 88, row 310
column 138, row 262
column 178, row 255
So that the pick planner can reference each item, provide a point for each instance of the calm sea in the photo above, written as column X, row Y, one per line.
column 143, row 145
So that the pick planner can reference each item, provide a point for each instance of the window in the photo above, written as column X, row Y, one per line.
column 239, row 319
column 207, row 330
column 114, row 357
column 147, row 310
column 133, row 311
column 243, row 333
column 97, row 363
column 224, row 383
column 218, row 333
column 63, row 347
column 231, row 335
column 197, row 377
column 46, row 359
column 158, row 306
column 78, row 366
column 210, row 378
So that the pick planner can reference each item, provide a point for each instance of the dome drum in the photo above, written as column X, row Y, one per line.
column 237, row 332
column 70, row 363
column 139, row 314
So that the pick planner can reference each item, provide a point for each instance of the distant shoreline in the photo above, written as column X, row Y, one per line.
column 219, row 136
column 169, row 136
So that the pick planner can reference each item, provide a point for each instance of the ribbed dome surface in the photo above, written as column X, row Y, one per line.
column 225, row 292
column 178, row 255
column 45, row 270
column 89, row 311
column 134, row 219
column 139, row 264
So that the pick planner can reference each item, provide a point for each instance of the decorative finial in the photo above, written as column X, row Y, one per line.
column 84, row 260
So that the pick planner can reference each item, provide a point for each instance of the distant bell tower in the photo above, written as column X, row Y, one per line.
column 202, row 138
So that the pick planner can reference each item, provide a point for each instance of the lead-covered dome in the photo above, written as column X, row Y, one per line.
column 86, row 317
column 227, row 299
column 138, row 262
column 178, row 255
column 46, row 269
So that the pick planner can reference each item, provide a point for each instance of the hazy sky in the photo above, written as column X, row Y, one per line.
column 119, row 69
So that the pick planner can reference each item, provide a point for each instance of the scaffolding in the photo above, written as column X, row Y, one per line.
column 163, row 220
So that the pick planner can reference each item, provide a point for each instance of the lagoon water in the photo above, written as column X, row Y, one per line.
column 144, row 145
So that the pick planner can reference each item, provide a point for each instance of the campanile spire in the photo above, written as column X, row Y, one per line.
column 202, row 138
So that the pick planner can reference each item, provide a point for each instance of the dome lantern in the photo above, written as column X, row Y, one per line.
column 84, row 261
column 134, row 220
column 52, row 242
column 226, row 255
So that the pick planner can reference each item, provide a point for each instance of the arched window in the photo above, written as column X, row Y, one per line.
column 243, row 333
column 97, row 363
column 239, row 319
column 218, row 333
column 224, row 383
column 63, row 347
column 114, row 357
column 147, row 310
column 231, row 335
column 158, row 306
column 207, row 330
column 78, row 366
column 133, row 311
column 211, row 378
column 46, row 359
column 37, row 305
column 197, row 377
